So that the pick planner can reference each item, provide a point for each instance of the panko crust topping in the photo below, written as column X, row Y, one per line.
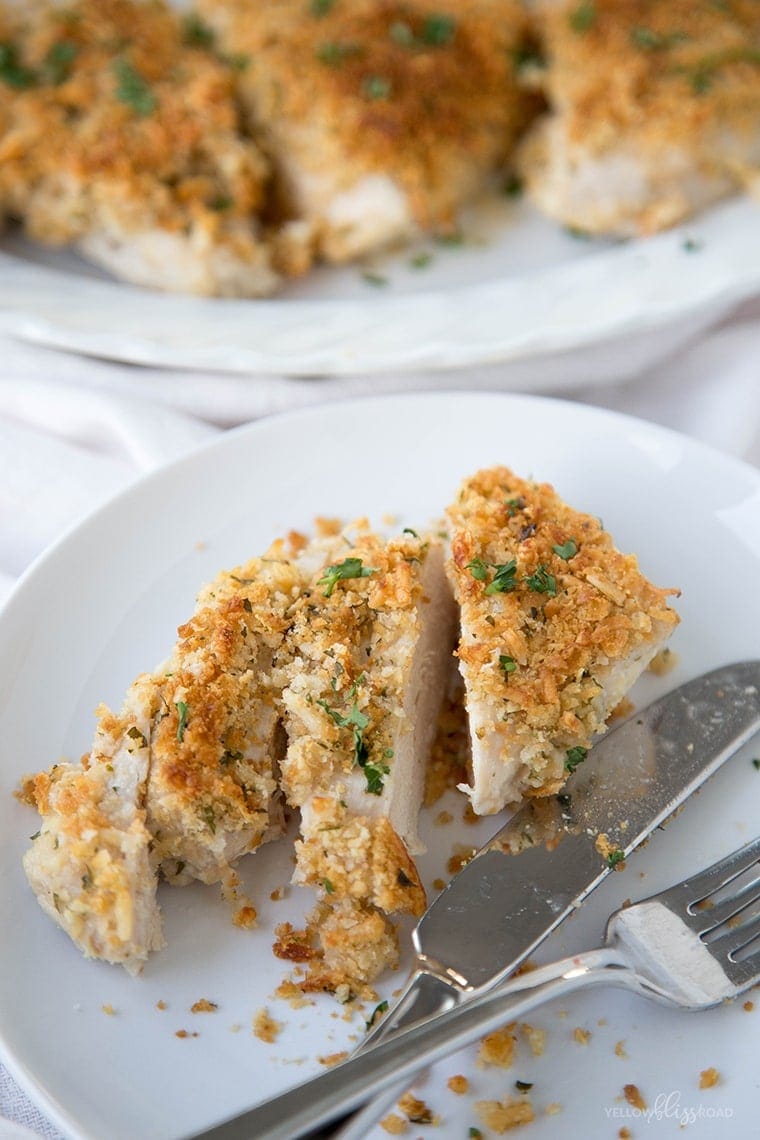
column 549, row 607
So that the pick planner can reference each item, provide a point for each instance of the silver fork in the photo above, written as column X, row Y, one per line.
column 691, row 947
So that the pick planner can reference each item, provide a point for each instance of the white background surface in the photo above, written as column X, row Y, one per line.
column 117, row 590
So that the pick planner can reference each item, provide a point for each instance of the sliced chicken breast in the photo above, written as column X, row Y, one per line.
column 90, row 864
column 368, row 653
column 381, row 117
column 654, row 111
column 556, row 626
column 120, row 134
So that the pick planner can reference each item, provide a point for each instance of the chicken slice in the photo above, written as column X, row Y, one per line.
column 654, row 111
column 183, row 780
column 556, row 626
column 90, row 864
column 368, row 653
column 121, row 135
column 215, row 742
column 382, row 117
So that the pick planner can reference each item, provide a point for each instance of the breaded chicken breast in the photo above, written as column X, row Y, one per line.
column 120, row 134
column 556, row 626
column 90, row 863
column 655, row 111
column 381, row 117
column 368, row 653
column 183, row 780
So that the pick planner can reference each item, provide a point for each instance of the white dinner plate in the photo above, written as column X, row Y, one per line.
column 104, row 604
column 518, row 289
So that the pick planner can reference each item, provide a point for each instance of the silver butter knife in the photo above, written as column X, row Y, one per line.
column 498, row 909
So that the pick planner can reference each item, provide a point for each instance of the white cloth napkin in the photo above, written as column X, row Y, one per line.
column 74, row 431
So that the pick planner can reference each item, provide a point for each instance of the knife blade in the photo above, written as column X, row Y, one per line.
column 499, row 908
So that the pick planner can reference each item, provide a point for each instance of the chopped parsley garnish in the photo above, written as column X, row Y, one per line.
column 701, row 76
column 650, row 40
column 374, row 774
column 514, row 505
column 402, row 34
column 376, row 87
column 335, row 54
column 507, row 664
column 357, row 721
column 321, row 8
column 478, row 568
column 438, row 30
column 567, row 550
column 375, row 279
column 134, row 734
column 615, row 857
column 542, row 581
column 36, row 835
column 575, row 756
column 378, row 1011
column 529, row 55
column 12, row 71
column 577, row 233
column 408, row 530
column 583, row 18
column 421, row 260
column 219, row 204
column 132, row 89
column 474, row 1133
column 504, row 579
column 238, row 61
column 196, row 32
column 756, row 764
column 341, row 571
column 456, row 237
column 513, row 187
column 230, row 757
column 59, row 61
column 206, row 812
column 689, row 245
column 181, row 708
column 329, row 888
column 523, row 1086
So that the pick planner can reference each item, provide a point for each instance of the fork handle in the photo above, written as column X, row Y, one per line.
column 348, row 1085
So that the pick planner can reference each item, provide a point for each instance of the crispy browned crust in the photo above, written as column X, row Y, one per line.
column 376, row 94
column 184, row 162
column 659, row 73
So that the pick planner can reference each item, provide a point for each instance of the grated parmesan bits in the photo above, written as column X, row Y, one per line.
column 556, row 626
column 368, row 652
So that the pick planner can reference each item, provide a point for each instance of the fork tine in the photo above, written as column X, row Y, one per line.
column 736, row 938
column 701, row 886
column 706, row 920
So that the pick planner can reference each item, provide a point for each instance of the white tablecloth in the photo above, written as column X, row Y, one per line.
column 75, row 431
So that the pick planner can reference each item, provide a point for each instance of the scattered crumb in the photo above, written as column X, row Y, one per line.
column 184, row 1033
column 201, row 545
column 416, row 1111
column 277, row 894
column 634, row 1097
column 553, row 1108
column 468, row 815
column 602, row 1021
column 265, row 1027
column 293, row 945
column 204, row 1006
column 394, row 1124
column 582, row 1036
column 620, row 1049
column 388, row 519
column 460, row 857
column 708, row 1078
column 748, row 1006
column 624, row 1133
column 536, row 1038
column 293, row 994
column 109, row 1009
column 236, row 1027
column 443, row 817
column 161, row 1004
column 245, row 916
column 332, row 1059
column 663, row 662
column 439, row 884
column 621, row 710
column 327, row 527
column 610, row 851
column 501, row 1115
column 458, row 1084
column 498, row 1048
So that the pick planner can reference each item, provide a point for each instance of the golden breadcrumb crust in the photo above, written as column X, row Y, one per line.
column 420, row 90
column 117, row 97
column 573, row 604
